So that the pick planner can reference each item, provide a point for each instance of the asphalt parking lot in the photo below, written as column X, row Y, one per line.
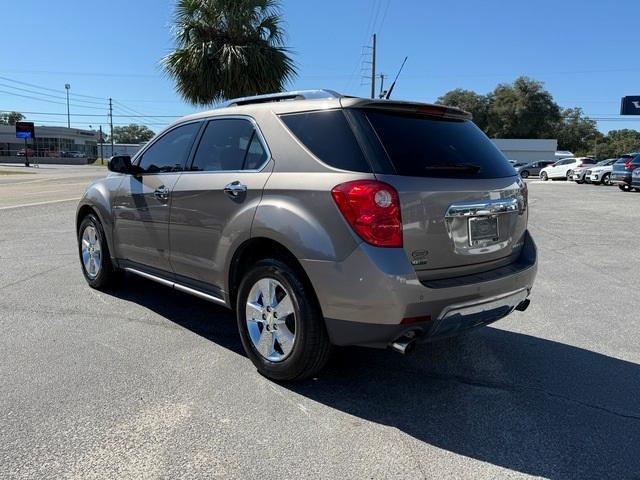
column 146, row 382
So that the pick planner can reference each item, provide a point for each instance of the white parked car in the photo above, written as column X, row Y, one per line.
column 601, row 173
column 563, row 169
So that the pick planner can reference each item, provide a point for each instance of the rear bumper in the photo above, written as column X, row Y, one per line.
column 620, row 179
column 365, row 298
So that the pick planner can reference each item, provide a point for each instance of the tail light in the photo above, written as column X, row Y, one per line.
column 524, row 195
column 579, row 165
column 372, row 209
column 628, row 164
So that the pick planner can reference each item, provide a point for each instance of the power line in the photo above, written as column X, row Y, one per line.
column 92, row 114
column 384, row 17
column 48, row 89
column 47, row 95
column 47, row 100
column 131, row 110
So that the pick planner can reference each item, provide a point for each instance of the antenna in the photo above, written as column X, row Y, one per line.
column 396, row 79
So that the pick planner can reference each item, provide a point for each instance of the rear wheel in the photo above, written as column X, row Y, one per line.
column 544, row 177
column 524, row 174
column 569, row 173
column 94, row 254
column 280, row 322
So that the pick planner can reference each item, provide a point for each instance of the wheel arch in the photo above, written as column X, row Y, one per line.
column 253, row 250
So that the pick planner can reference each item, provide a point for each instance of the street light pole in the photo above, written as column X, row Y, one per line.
column 67, row 87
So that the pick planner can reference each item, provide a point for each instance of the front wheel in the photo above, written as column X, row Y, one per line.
column 280, row 322
column 94, row 254
column 524, row 174
column 544, row 177
column 606, row 179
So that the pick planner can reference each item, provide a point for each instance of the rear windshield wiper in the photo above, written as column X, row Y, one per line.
column 451, row 167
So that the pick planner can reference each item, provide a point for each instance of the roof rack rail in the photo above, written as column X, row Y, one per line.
column 283, row 96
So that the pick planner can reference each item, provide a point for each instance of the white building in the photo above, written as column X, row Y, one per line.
column 526, row 149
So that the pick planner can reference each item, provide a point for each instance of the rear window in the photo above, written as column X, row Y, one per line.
column 625, row 158
column 329, row 137
column 420, row 146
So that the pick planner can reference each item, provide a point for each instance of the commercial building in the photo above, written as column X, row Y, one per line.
column 49, row 142
column 527, row 149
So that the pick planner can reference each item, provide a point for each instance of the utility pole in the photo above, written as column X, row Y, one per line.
column 111, row 124
column 67, row 87
column 373, row 68
column 101, row 146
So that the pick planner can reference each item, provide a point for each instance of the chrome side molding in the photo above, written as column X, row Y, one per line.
column 177, row 286
column 482, row 208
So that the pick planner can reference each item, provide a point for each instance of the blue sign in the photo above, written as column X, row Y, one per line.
column 630, row 105
column 25, row 130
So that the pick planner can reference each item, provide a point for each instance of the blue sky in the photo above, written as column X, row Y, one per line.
column 585, row 52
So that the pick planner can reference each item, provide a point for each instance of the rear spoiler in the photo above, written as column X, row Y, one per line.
column 441, row 111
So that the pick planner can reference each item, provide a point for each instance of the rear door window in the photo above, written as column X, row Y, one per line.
column 328, row 135
column 423, row 146
column 229, row 145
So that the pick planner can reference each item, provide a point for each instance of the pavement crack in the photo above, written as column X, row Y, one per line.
column 30, row 277
column 523, row 388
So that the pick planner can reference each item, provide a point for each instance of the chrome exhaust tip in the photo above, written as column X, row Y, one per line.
column 404, row 344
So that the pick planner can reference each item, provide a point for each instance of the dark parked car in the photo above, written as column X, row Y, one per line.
column 635, row 179
column 533, row 168
column 622, row 169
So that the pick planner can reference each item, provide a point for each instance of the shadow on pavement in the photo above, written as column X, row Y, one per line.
column 531, row 405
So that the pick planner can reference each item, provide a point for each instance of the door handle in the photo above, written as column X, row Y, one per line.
column 234, row 189
column 161, row 193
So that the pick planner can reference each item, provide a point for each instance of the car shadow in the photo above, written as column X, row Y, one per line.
column 520, row 402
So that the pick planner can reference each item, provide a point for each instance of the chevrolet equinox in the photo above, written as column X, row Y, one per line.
column 322, row 220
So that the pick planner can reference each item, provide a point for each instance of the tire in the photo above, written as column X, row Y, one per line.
column 579, row 182
column 303, row 327
column 93, row 250
column 624, row 188
column 606, row 179
column 524, row 174
column 568, row 175
column 544, row 177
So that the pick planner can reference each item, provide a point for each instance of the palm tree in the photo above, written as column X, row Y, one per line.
column 227, row 49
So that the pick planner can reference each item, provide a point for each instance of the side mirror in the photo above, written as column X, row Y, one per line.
column 120, row 164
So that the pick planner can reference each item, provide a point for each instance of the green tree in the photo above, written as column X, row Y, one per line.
column 10, row 118
column 577, row 133
column 228, row 48
column 523, row 109
column 470, row 101
column 132, row 134
column 618, row 142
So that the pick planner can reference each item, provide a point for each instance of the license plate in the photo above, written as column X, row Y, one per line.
column 483, row 229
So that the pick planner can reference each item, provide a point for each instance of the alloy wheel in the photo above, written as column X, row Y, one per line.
column 91, row 251
column 271, row 320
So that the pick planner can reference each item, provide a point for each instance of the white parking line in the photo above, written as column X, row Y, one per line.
column 40, row 203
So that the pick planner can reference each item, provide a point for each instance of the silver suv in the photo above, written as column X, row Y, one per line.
column 321, row 220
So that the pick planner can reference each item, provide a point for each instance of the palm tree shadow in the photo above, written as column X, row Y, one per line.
column 524, row 403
